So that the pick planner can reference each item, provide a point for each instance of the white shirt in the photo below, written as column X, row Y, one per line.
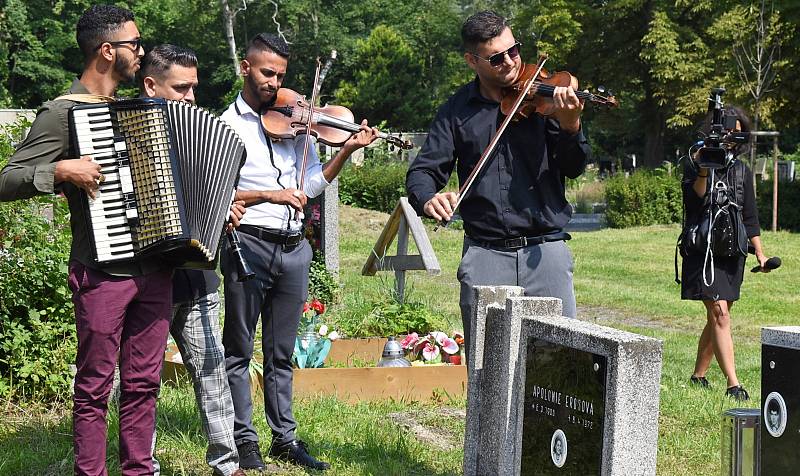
column 272, row 165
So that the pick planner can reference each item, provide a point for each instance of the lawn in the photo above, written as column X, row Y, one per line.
column 623, row 278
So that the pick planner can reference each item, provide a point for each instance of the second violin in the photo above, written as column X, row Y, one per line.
column 291, row 113
column 542, row 88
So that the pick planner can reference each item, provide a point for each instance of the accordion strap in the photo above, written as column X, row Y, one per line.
column 86, row 98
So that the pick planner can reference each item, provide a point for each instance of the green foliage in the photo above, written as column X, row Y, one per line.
column 37, row 333
column 644, row 198
column 388, row 318
column 377, row 185
column 378, row 91
column 322, row 284
column 788, row 211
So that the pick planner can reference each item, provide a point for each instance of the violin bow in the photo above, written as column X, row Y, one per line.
column 495, row 139
column 301, row 179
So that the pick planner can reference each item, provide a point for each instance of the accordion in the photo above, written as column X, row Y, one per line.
column 170, row 173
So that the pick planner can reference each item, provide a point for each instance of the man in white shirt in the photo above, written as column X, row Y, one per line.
column 272, row 243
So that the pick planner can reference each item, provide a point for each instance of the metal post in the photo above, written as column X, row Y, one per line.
column 775, row 183
column 774, row 135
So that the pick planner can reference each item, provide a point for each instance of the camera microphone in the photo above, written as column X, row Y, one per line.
column 771, row 263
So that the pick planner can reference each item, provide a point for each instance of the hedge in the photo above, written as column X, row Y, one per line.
column 644, row 198
column 376, row 185
column 788, row 200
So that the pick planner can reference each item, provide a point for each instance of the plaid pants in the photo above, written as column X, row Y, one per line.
column 195, row 328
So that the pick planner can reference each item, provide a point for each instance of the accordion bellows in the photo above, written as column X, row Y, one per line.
column 170, row 173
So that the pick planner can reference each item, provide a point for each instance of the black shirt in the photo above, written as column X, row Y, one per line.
column 520, row 191
column 191, row 284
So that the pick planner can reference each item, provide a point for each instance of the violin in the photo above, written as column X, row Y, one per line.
column 543, row 87
column 291, row 114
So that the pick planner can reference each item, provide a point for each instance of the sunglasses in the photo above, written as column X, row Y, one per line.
column 498, row 58
column 137, row 43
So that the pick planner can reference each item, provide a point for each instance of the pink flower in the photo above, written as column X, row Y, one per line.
column 409, row 341
column 430, row 352
column 449, row 345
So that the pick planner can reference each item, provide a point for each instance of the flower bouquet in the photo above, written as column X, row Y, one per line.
column 313, row 341
column 434, row 348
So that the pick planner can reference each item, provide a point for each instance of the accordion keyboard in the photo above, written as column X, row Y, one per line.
column 113, row 211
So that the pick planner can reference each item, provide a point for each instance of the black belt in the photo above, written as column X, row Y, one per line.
column 509, row 244
column 281, row 237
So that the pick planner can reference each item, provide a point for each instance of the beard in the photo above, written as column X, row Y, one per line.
column 266, row 95
column 125, row 69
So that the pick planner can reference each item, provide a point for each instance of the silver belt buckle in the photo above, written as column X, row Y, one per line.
column 520, row 242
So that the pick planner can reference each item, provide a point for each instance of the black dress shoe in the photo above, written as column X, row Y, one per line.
column 296, row 452
column 699, row 381
column 738, row 393
column 250, row 456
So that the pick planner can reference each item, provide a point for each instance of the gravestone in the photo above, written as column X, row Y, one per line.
column 322, row 218
column 780, row 400
column 558, row 395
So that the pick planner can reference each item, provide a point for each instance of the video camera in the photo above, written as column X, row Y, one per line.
column 712, row 153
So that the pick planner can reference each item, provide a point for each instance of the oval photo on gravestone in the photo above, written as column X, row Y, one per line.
column 558, row 448
column 775, row 414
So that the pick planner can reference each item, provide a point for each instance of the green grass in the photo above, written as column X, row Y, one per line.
column 623, row 278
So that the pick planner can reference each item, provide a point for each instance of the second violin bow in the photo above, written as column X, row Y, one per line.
column 493, row 143
column 301, row 179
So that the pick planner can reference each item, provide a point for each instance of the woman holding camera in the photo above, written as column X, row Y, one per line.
column 717, row 281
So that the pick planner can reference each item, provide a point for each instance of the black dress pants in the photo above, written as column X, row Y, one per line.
column 276, row 294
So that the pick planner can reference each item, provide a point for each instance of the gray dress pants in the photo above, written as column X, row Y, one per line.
column 276, row 294
column 544, row 270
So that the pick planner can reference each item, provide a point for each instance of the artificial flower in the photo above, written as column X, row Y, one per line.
column 318, row 306
column 409, row 341
column 430, row 352
column 459, row 338
column 323, row 330
column 449, row 345
column 333, row 335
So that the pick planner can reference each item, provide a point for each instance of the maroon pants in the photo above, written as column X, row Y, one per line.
column 121, row 316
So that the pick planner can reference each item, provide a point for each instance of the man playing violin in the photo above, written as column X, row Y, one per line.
column 272, row 242
column 515, row 213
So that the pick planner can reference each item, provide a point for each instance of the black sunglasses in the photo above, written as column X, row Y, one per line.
column 137, row 43
column 498, row 58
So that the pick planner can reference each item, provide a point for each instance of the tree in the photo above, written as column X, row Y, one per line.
column 385, row 78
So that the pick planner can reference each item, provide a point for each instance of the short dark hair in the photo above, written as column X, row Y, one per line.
column 481, row 27
column 97, row 24
column 774, row 406
column 268, row 42
column 159, row 59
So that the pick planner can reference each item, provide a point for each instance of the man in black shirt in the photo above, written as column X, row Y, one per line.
column 516, row 210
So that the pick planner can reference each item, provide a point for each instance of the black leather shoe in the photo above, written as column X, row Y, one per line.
column 250, row 456
column 296, row 452
column 738, row 393
column 699, row 381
